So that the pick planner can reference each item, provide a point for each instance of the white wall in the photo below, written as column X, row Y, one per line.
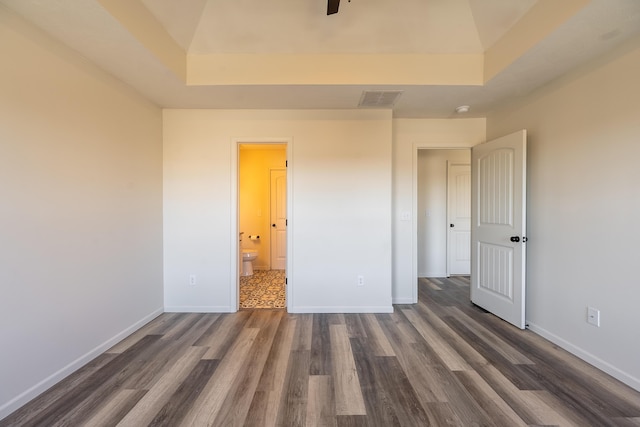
column 432, row 196
column 339, row 206
column 80, row 215
column 409, row 135
column 583, row 209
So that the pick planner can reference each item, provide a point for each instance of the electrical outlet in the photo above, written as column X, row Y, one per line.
column 593, row 316
column 192, row 280
column 360, row 280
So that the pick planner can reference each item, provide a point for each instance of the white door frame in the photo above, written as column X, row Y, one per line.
column 234, row 228
column 414, row 206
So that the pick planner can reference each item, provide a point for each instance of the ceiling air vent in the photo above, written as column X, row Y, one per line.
column 379, row 98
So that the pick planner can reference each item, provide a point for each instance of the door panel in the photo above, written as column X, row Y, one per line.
column 495, row 264
column 459, row 219
column 278, row 219
column 498, row 227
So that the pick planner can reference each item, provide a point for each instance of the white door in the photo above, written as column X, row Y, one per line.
column 459, row 219
column 278, row 219
column 498, row 223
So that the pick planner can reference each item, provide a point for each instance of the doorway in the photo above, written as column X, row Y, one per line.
column 498, row 266
column 262, row 218
column 434, row 246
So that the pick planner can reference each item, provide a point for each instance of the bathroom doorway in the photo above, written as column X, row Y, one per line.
column 262, row 222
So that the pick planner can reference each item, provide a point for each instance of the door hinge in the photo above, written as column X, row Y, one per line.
column 286, row 222
column 286, row 163
column 285, row 281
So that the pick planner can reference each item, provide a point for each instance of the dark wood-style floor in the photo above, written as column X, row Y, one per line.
column 441, row 362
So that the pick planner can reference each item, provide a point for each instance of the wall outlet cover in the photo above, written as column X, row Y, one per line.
column 593, row 316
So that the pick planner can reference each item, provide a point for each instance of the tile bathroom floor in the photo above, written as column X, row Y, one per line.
column 265, row 289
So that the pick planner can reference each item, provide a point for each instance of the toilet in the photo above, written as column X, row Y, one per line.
column 248, row 255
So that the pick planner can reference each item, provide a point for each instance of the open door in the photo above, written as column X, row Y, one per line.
column 498, row 221
column 278, row 219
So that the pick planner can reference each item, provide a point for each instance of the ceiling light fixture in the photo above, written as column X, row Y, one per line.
column 462, row 109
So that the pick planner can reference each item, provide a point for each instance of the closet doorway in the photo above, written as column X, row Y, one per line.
column 443, row 212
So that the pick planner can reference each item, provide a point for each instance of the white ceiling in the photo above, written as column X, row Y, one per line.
column 373, row 26
column 294, row 26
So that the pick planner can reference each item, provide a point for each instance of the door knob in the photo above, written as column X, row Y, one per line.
column 451, row 225
column 273, row 225
column 515, row 238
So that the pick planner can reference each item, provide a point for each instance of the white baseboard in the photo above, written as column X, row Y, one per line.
column 403, row 300
column 341, row 309
column 618, row 374
column 199, row 309
column 433, row 275
column 26, row 396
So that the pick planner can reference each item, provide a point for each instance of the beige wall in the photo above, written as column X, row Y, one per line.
column 80, row 215
column 255, row 165
column 410, row 135
column 340, row 162
column 339, row 206
column 583, row 209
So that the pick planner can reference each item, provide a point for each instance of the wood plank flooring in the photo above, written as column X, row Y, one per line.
column 442, row 362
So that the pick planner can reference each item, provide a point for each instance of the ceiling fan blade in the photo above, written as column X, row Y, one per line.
column 332, row 6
